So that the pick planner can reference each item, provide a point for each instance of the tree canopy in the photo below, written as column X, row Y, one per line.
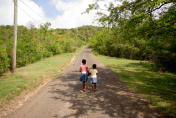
column 140, row 29
column 34, row 44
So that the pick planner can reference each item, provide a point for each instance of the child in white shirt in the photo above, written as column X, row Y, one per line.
column 93, row 72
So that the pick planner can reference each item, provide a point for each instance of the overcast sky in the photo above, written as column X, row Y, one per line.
column 60, row 13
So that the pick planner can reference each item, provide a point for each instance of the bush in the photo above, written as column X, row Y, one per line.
column 32, row 45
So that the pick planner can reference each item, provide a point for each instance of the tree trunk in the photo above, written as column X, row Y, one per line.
column 132, row 52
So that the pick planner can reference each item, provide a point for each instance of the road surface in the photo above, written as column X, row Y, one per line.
column 63, row 96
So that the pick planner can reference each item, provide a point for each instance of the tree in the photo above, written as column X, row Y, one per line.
column 143, row 29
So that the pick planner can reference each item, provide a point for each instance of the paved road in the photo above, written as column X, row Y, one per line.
column 63, row 96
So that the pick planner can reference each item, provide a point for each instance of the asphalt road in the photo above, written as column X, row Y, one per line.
column 63, row 96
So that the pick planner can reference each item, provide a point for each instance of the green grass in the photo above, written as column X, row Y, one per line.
column 159, row 89
column 31, row 76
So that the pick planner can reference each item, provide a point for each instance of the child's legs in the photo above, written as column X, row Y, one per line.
column 85, row 84
column 94, row 85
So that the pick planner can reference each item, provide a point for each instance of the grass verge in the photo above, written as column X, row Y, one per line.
column 31, row 76
column 159, row 89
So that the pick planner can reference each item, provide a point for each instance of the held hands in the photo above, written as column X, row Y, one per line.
column 88, row 73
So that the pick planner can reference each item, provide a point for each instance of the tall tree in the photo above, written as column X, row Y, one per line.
column 143, row 29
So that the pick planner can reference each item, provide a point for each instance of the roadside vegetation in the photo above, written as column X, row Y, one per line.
column 159, row 89
column 144, row 32
column 32, row 76
column 41, row 54
column 34, row 44
column 138, row 29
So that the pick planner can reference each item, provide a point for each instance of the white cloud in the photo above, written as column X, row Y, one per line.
column 28, row 11
column 23, row 13
column 70, row 18
column 72, row 14
column 6, row 12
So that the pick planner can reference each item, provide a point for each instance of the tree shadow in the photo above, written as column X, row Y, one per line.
column 88, row 52
column 156, row 87
column 112, row 99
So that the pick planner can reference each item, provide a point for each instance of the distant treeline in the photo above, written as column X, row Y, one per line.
column 34, row 44
column 142, row 30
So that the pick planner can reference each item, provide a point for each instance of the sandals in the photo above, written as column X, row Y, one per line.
column 86, row 90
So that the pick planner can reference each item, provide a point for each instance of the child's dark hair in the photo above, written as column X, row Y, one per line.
column 94, row 66
column 84, row 61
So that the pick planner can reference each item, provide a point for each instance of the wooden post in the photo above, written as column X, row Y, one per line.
column 14, row 38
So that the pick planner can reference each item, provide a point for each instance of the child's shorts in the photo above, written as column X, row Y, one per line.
column 93, row 80
column 83, row 77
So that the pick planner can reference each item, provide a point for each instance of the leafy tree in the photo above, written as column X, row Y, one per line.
column 34, row 44
column 142, row 29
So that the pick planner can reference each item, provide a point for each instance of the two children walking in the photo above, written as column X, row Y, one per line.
column 85, row 73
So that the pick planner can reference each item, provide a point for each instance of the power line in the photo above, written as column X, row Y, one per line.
column 28, row 14
column 41, row 4
column 49, row 10
column 32, row 10
column 51, row 13
column 35, row 12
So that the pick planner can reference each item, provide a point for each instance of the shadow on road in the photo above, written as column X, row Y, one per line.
column 112, row 98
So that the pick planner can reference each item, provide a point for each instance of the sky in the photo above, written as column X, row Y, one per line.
column 60, row 13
